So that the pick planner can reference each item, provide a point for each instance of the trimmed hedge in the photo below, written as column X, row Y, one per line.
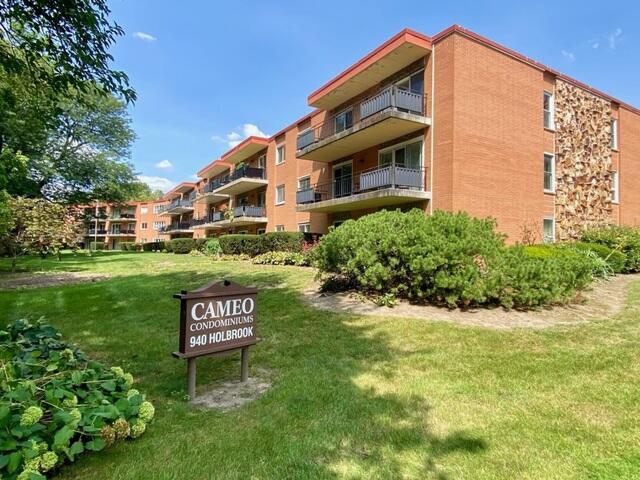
column 212, row 247
column 127, row 246
column 281, row 258
column 182, row 245
column 282, row 242
column 97, row 246
column 625, row 240
column 237, row 244
column 615, row 259
column 446, row 258
column 200, row 242
column 153, row 246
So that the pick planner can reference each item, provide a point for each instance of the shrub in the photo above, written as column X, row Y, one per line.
column 447, row 258
column 212, row 247
column 622, row 239
column 281, row 258
column 282, row 242
column 150, row 246
column 615, row 259
column 97, row 246
column 56, row 404
column 200, row 243
column 599, row 266
column 241, row 244
column 127, row 246
column 182, row 245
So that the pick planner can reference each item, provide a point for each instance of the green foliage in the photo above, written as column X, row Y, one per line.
column 127, row 246
column 621, row 239
column 282, row 242
column 614, row 258
column 57, row 404
column 182, row 245
column 281, row 258
column 212, row 247
column 153, row 246
column 200, row 243
column 600, row 265
column 251, row 245
column 446, row 258
column 96, row 246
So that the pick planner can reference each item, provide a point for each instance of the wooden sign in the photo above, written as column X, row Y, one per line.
column 216, row 318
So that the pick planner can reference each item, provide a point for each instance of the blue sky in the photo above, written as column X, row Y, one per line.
column 208, row 73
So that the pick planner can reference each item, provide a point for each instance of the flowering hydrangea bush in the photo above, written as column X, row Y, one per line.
column 56, row 404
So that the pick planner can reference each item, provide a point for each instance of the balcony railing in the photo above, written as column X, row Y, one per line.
column 180, row 203
column 249, row 211
column 390, row 98
column 212, row 185
column 177, row 226
column 390, row 176
column 122, row 231
column 210, row 218
column 244, row 172
column 100, row 231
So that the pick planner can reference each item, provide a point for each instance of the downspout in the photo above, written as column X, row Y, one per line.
column 433, row 114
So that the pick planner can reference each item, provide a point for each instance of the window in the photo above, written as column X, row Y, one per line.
column 549, row 173
column 304, row 227
column 158, row 225
column 143, row 226
column 343, row 120
column 414, row 83
column 143, row 210
column 262, row 160
column 549, row 107
column 243, row 232
column 260, row 200
column 279, row 194
column 614, row 134
column 408, row 155
column 548, row 230
column 304, row 183
column 279, row 228
column 260, row 231
column 615, row 192
column 280, row 154
column 158, row 208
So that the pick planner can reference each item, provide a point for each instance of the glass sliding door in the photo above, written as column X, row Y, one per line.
column 342, row 180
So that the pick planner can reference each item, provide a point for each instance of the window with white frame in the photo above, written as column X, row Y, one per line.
column 158, row 208
column 343, row 120
column 158, row 225
column 304, row 183
column 614, row 134
column 262, row 161
column 548, row 230
column 549, row 109
column 549, row 173
column 143, row 226
column 260, row 199
column 280, row 154
column 304, row 227
column 279, row 194
column 260, row 231
column 279, row 228
column 143, row 210
column 615, row 191
column 407, row 155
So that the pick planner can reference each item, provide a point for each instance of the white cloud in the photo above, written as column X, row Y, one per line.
column 145, row 37
column 156, row 183
column 239, row 134
column 195, row 177
column 595, row 44
column 613, row 38
column 570, row 56
column 164, row 165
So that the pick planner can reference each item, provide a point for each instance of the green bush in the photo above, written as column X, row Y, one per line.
column 615, row 259
column 200, row 243
column 237, row 244
column 212, row 247
column 282, row 242
column 281, row 258
column 182, row 245
column 446, row 258
column 56, row 404
column 97, row 246
column 600, row 266
column 127, row 246
column 622, row 239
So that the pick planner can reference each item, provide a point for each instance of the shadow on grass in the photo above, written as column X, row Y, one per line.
column 324, row 417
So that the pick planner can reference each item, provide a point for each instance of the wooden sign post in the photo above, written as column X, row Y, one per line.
column 216, row 319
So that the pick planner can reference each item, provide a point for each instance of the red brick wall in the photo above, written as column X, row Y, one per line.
column 629, row 142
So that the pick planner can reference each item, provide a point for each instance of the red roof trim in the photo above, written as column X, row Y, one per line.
column 405, row 35
column 181, row 184
column 253, row 139
column 211, row 164
column 501, row 48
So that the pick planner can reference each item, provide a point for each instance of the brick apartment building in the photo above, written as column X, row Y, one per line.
column 451, row 122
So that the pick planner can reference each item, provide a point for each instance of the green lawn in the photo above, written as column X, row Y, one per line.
column 352, row 396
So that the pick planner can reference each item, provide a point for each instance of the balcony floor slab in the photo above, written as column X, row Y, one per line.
column 375, row 199
column 240, row 186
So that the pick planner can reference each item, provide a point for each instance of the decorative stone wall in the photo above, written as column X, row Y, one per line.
column 583, row 161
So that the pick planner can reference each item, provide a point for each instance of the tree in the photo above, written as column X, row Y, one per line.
column 62, row 43
column 42, row 227
column 141, row 192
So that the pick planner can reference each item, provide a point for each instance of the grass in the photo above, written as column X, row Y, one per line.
column 352, row 396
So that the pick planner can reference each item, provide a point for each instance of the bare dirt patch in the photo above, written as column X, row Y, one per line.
column 233, row 394
column 15, row 281
column 605, row 299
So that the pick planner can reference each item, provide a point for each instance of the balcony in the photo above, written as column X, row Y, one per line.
column 208, row 195
column 211, row 220
column 100, row 232
column 242, row 180
column 373, row 188
column 389, row 114
column 246, row 215
column 122, row 217
column 122, row 233
column 178, row 207
column 181, row 227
